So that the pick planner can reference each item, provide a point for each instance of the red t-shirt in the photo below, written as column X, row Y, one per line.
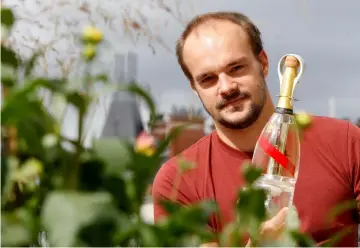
column 329, row 174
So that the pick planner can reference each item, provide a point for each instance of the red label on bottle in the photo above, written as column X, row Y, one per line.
column 273, row 152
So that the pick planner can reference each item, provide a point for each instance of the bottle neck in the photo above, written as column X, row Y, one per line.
column 284, row 105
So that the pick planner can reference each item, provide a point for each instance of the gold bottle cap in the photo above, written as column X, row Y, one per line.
column 288, row 80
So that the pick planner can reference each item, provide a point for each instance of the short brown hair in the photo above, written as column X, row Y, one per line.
column 240, row 19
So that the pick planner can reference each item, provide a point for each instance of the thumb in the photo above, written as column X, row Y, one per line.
column 273, row 227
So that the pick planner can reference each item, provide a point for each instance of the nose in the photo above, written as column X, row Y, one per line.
column 226, row 84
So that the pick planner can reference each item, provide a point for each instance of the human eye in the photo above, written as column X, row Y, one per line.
column 207, row 79
column 236, row 68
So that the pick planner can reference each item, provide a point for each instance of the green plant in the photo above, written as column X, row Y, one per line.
column 54, row 185
column 55, row 191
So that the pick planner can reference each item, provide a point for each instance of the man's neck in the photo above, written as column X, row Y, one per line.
column 245, row 139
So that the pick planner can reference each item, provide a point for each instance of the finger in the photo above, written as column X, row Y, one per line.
column 273, row 227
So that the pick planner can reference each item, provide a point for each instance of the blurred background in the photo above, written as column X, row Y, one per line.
column 140, row 42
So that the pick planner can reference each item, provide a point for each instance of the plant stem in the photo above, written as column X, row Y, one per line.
column 74, row 173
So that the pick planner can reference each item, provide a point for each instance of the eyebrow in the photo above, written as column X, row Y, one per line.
column 231, row 64
column 237, row 61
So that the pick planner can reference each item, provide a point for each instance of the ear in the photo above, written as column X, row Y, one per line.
column 263, row 58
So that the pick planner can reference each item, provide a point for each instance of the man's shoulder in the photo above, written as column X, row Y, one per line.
column 190, row 154
column 328, row 125
column 329, row 135
column 329, row 120
column 334, row 124
column 169, row 172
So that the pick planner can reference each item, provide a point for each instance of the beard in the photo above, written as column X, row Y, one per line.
column 253, row 113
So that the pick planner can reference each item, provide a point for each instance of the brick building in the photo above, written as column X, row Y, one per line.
column 188, row 136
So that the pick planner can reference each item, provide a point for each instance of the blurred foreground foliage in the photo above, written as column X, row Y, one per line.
column 57, row 192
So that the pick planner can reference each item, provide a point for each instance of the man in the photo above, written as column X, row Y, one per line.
column 223, row 58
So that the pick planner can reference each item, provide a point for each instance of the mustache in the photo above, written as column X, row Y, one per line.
column 235, row 95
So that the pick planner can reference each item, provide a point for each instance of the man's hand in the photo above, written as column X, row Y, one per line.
column 273, row 228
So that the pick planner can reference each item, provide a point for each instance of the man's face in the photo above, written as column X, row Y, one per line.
column 228, row 78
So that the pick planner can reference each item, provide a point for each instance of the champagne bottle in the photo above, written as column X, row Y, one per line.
column 277, row 151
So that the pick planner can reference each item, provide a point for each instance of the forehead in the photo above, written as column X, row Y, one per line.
column 214, row 44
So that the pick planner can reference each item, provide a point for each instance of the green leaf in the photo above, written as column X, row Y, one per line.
column 115, row 153
column 118, row 188
column 29, row 170
column 341, row 208
column 144, row 169
column 29, row 65
column 91, row 174
column 58, row 105
column 101, row 77
column 99, row 233
column 4, row 170
column 173, row 134
column 139, row 91
column 9, row 57
column 174, row 227
column 7, row 17
column 196, row 215
column 30, row 118
column 7, row 75
column 15, row 228
column 337, row 237
column 231, row 236
column 127, row 235
column 66, row 213
column 170, row 206
column 251, row 173
column 117, row 156
column 149, row 235
column 54, row 85
column 78, row 100
column 30, row 90
column 50, row 140
column 109, row 231
column 9, row 166
column 302, row 239
column 251, row 210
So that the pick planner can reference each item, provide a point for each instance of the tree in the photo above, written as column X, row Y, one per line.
column 43, row 26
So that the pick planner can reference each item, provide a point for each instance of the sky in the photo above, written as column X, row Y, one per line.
column 325, row 33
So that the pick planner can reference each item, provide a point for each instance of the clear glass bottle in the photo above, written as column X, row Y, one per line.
column 277, row 151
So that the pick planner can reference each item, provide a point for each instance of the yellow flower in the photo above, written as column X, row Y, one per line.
column 303, row 119
column 89, row 51
column 92, row 34
column 32, row 168
column 146, row 151
column 145, row 144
